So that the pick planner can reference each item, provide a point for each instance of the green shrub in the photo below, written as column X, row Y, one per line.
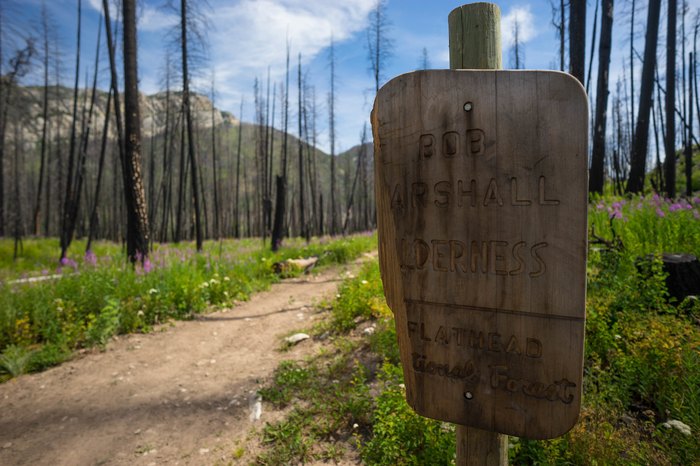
column 399, row 435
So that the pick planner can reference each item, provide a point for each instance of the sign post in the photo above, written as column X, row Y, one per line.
column 481, row 186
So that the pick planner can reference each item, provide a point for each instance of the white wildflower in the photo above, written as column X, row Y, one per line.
column 152, row 291
column 682, row 427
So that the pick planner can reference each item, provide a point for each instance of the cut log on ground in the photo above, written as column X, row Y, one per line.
column 293, row 266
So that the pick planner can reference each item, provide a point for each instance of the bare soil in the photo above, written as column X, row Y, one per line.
column 184, row 394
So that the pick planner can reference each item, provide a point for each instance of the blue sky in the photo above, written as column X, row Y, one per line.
column 247, row 36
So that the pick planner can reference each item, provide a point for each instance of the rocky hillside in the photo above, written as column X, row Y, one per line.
column 27, row 110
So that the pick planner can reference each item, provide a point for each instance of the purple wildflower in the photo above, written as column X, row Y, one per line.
column 90, row 258
column 660, row 213
column 147, row 266
column 615, row 214
column 674, row 207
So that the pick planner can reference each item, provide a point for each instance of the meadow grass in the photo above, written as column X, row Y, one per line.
column 641, row 368
column 99, row 295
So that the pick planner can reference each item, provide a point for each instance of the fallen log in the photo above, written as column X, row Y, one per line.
column 294, row 266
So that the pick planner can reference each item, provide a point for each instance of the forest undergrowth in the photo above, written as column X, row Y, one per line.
column 83, row 302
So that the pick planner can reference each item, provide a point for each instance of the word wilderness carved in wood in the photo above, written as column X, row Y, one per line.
column 481, row 193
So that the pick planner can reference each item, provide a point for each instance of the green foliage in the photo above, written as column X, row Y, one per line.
column 399, row 435
column 15, row 360
column 358, row 298
column 99, row 296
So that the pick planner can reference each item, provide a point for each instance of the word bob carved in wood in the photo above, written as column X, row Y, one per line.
column 481, row 192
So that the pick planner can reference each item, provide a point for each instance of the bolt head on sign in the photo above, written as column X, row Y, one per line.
column 481, row 186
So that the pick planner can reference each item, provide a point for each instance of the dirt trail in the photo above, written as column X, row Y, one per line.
column 181, row 395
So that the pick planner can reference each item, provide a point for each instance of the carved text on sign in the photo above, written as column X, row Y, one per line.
column 559, row 390
column 495, row 257
column 470, row 142
column 477, row 339
column 471, row 193
column 466, row 372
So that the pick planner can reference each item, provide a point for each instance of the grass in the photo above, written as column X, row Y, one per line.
column 641, row 368
column 100, row 295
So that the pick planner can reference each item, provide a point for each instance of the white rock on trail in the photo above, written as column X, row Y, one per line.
column 296, row 338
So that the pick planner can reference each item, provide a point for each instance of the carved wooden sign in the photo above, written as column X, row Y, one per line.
column 481, row 184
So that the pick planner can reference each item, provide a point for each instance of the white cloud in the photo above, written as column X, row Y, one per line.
column 526, row 25
column 150, row 17
column 250, row 36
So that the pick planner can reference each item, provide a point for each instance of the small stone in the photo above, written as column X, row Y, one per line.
column 296, row 338
column 203, row 451
column 137, row 431
column 7, row 445
column 369, row 330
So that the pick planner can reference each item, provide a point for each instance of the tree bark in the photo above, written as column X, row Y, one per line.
column 670, row 142
column 137, row 235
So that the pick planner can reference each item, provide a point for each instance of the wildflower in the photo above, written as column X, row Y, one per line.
column 674, row 207
column 152, row 291
column 660, row 213
column 615, row 214
column 147, row 266
column 226, row 279
column 678, row 425
column 364, row 282
column 600, row 205
column 90, row 258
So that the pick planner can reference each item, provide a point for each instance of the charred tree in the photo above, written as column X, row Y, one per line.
column 597, row 174
column 635, row 183
column 670, row 142
column 577, row 39
column 137, row 235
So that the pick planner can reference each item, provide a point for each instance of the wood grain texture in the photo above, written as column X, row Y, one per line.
column 475, row 37
column 476, row 447
column 482, row 243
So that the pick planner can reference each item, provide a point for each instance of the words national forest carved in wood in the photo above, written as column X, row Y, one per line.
column 481, row 194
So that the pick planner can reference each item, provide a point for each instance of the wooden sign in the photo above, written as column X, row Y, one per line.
column 481, row 186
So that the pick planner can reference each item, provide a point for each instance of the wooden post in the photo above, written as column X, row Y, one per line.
column 475, row 43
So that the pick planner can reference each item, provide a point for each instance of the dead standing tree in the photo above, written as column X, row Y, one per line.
column 137, row 236
column 670, row 142
column 635, row 183
column 597, row 173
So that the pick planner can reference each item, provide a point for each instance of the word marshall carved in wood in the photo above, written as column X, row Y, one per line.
column 481, row 194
